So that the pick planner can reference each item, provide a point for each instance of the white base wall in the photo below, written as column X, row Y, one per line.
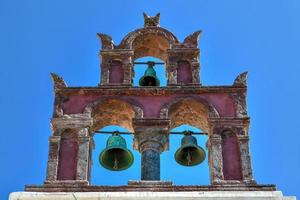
column 211, row 195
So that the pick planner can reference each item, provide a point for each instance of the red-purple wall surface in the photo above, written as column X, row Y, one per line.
column 231, row 157
column 184, row 72
column 116, row 74
column 68, row 159
column 152, row 104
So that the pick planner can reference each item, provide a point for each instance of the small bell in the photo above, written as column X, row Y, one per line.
column 189, row 154
column 116, row 156
column 149, row 78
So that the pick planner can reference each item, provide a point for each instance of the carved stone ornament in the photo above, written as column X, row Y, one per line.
column 151, row 21
column 58, row 81
column 192, row 40
column 106, row 40
column 241, row 80
column 240, row 104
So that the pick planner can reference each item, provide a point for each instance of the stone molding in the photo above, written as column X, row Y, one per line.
column 149, row 91
column 73, row 121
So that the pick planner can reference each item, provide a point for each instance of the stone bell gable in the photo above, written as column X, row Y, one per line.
column 149, row 113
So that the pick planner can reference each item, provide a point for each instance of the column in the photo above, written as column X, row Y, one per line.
column 151, row 138
column 53, row 154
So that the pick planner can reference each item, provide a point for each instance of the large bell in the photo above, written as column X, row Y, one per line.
column 189, row 154
column 149, row 78
column 116, row 156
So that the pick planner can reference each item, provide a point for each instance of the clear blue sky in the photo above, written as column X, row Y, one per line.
column 38, row 37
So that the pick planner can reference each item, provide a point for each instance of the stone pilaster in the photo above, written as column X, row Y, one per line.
column 83, row 159
column 53, row 157
column 70, row 126
column 172, row 73
column 215, row 159
column 151, row 137
column 238, row 127
column 125, row 56
column 246, row 159
column 190, row 55
column 196, row 71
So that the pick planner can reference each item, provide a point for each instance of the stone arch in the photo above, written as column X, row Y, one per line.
column 113, row 111
column 149, row 41
column 189, row 110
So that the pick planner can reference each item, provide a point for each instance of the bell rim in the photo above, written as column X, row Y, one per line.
column 198, row 147
column 157, row 81
column 111, row 169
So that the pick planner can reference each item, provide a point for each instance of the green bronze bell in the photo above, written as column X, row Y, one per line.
column 116, row 156
column 189, row 154
column 149, row 78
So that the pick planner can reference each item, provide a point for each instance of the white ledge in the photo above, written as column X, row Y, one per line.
column 211, row 195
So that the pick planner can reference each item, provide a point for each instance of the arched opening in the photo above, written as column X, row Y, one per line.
column 112, row 115
column 183, row 175
column 187, row 114
column 116, row 72
column 184, row 72
column 103, row 176
column 231, row 155
column 139, row 70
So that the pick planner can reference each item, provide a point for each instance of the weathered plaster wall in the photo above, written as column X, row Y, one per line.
column 152, row 104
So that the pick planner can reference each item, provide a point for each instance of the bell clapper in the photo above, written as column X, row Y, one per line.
column 189, row 157
column 115, row 161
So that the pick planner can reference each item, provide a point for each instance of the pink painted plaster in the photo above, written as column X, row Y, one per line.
column 152, row 104
column 184, row 72
column 68, row 159
column 231, row 158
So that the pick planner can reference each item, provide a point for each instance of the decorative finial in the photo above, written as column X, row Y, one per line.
column 106, row 40
column 241, row 80
column 59, row 82
column 151, row 21
column 192, row 40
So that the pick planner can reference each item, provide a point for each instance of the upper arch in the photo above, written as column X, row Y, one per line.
column 149, row 41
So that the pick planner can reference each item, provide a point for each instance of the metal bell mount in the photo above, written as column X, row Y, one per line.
column 149, row 78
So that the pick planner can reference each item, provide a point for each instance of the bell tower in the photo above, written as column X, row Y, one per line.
column 149, row 112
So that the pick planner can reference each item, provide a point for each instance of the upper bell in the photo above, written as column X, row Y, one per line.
column 149, row 78
column 189, row 154
column 116, row 156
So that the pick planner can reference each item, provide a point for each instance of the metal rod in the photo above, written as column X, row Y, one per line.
column 145, row 63
column 129, row 133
